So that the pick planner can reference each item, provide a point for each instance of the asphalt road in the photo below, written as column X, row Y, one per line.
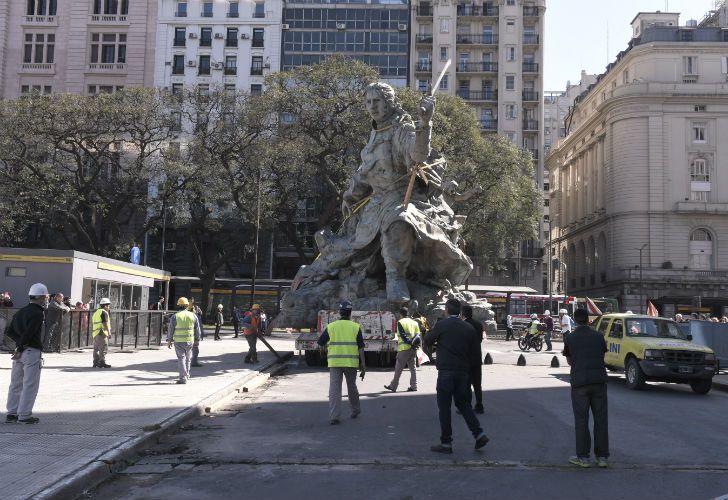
column 666, row 442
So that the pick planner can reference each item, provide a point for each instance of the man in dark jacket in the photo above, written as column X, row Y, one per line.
column 457, row 342
column 584, row 350
column 476, row 368
column 26, row 329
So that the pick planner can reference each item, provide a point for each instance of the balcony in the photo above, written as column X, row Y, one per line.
column 180, row 13
column 424, row 67
column 231, row 42
column 466, row 39
column 178, row 70
column 230, row 70
column 40, row 20
column 477, row 10
column 477, row 67
column 530, row 11
column 530, row 95
column 108, row 19
column 478, row 95
column 534, row 153
column 529, row 39
column 426, row 38
column 179, row 42
column 38, row 68
column 530, row 67
column 233, row 14
column 488, row 124
column 256, row 70
column 206, row 13
column 257, row 42
column 530, row 125
column 258, row 15
column 424, row 11
column 112, row 68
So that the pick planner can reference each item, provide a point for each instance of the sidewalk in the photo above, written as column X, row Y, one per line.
column 89, row 415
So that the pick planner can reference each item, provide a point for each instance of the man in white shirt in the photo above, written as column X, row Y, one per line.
column 566, row 323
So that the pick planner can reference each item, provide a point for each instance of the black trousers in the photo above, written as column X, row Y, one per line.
column 591, row 397
column 547, row 339
column 455, row 385
column 252, row 347
column 217, row 332
column 509, row 333
column 476, row 380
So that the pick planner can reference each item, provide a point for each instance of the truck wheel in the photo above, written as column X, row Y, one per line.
column 313, row 358
column 635, row 376
column 537, row 344
column 701, row 386
column 522, row 344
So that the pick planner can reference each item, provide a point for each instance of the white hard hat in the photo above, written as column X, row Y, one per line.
column 547, row 313
column 104, row 301
column 219, row 306
column 563, row 311
column 534, row 316
column 37, row 290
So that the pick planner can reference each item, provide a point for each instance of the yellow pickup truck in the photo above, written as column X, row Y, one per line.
column 650, row 348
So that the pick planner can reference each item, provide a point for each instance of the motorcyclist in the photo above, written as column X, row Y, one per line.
column 533, row 328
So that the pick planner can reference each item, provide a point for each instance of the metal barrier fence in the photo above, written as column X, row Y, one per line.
column 129, row 330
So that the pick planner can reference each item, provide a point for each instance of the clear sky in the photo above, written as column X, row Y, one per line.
column 576, row 33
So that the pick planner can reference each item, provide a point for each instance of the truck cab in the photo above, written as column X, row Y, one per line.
column 649, row 348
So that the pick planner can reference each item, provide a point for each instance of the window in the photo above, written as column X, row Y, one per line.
column 546, row 201
column 510, row 26
column 38, row 8
column 204, row 67
column 617, row 330
column 701, row 250
column 445, row 25
column 690, row 65
column 232, row 37
column 256, row 89
column 178, row 64
column 258, row 35
column 15, row 272
column 510, row 2
column 180, row 35
column 177, row 90
column 206, row 37
column 625, row 76
column 700, row 108
column 233, row 9
column 443, row 82
column 686, row 36
column 36, row 89
column 231, row 65
column 206, row 9
column 259, row 10
column 510, row 82
column 510, row 53
column 256, row 67
column 108, row 48
column 444, row 53
column 39, row 48
column 546, row 186
column 175, row 120
column 724, row 61
column 699, row 171
column 511, row 111
column 511, row 136
column 699, row 132
column 422, row 85
column 104, row 89
column 181, row 10
column 110, row 7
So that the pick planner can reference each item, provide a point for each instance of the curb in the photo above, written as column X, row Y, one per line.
column 109, row 462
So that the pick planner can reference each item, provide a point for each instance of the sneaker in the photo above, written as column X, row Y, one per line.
column 104, row 365
column 412, row 389
column 602, row 462
column 95, row 365
column 583, row 462
column 196, row 365
column 481, row 441
column 11, row 419
column 390, row 388
column 182, row 381
column 442, row 448
column 355, row 413
column 479, row 409
column 29, row 420
column 334, row 421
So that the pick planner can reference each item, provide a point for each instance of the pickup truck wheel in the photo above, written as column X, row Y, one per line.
column 701, row 386
column 635, row 376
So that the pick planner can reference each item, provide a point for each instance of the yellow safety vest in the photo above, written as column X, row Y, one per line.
column 343, row 351
column 533, row 330
column 97, row 325
column 411, row 328
column 184, row 327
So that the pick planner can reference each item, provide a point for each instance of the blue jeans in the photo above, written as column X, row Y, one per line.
column 455, row 385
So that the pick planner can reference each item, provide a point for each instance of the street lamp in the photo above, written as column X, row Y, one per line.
column 642, row 302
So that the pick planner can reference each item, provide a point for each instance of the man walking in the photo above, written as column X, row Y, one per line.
column 26, row 330
column 345, row 344
column 219, row 321
column 476, row 368
column 548, row 323
column 584, row 350
column 101, row 331
column 236, row 321
column 565, row 322
column 407, row 332
column 55, row 313
column 456, row 343
column 183, row 331
column 509, row 327
column 251, row 330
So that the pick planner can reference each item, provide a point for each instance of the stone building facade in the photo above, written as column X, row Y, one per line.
column 639, row 198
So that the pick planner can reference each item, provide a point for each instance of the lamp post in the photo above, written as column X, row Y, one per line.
column 642, row 302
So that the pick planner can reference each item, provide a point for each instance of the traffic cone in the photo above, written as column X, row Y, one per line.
column 488, row 360
column 521, row 361
column 555, row 362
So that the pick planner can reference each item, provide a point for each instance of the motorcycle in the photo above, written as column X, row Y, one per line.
column 526, row 342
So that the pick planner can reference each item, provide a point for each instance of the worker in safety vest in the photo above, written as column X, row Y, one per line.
column 101, row 331
column 345, row 344
column 408, row 340
column 534, row 326
column 183, row 330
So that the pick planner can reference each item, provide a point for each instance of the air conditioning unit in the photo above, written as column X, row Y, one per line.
column 168, row 63
column 219, row 36
column 217, row 65
column 191, row 64
column 285, row 26
column 244, row 36
column 340, row 26
column 192, row 36
column 402, row 27
column 170, row 247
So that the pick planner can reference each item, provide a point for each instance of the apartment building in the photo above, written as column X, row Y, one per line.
column 83, row 47
column 642, row 205
column 217, row 44
column 496, row 48
column 372, row 31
